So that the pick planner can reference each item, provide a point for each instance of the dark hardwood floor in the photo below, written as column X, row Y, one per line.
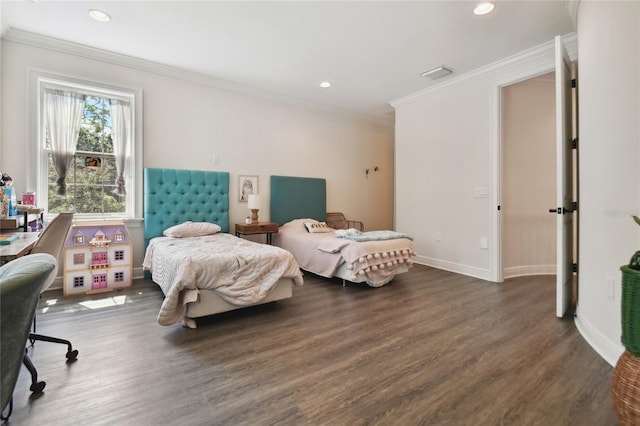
column 431, row 348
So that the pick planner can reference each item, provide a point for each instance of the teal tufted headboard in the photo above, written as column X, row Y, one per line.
column 298, row 198
column 175, row 196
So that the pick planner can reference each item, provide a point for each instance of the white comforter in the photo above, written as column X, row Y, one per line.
column 242, row 272
column 323, row 253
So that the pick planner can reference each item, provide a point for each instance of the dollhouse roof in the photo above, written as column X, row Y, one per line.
column 99, row 231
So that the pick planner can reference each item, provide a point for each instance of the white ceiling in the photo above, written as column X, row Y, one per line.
column 372, row 52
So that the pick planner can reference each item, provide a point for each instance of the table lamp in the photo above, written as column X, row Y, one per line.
column 254, row 205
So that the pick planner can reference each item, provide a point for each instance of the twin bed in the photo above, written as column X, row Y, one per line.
column 204, row 270
column 298, row 205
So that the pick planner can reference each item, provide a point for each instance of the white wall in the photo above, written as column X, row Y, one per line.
column 186, row 123
column 442, row 153
column 448, row 130
column 529, row 177
column 609, row 154
column 446, row 147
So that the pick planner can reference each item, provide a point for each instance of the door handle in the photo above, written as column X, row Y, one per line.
column 561, row 210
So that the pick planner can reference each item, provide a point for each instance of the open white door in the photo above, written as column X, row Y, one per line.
column 564, row 180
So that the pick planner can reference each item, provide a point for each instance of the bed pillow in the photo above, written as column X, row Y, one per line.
column 191, row 229
column 314, row 227
column 298, row 223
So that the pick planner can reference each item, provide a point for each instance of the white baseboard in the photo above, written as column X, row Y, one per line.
column 472, row 271
column 137, row 273
column 608, row 350
column 523, row 271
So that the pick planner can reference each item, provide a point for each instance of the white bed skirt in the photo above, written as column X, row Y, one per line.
column 347, row 274
column 208, row 302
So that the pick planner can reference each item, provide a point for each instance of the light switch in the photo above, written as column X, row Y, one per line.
column 481, row 192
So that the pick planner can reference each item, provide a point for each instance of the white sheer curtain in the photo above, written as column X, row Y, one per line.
column 63, row 112
column 120, row 135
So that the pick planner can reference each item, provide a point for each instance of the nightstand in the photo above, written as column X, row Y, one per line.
column 267, row 228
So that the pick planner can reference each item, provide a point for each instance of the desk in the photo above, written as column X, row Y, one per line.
column 22, row 219
column 18, row 247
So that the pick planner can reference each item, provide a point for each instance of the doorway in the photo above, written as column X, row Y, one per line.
column 528, row 177
column 529, row 185
column 565, row 207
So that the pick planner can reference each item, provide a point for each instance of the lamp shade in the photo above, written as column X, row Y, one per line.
column 254, row 201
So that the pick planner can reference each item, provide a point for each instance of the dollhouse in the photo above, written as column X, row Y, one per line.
column 97, row 257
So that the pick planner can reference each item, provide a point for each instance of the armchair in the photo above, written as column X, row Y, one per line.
column 21, row 281
column 336, row 220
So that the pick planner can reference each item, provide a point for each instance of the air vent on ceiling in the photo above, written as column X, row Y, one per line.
column 438, row 72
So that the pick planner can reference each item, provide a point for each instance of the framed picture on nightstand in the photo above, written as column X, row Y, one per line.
column 247, row 185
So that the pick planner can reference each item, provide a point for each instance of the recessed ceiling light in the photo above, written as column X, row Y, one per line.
column 325, row 84
column 99, row 15
column 484, row 8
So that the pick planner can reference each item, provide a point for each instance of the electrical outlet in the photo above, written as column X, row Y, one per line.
column 438, row 237
column 216, row 160
column 484, row 243
column 481, row 192
column 611, row 285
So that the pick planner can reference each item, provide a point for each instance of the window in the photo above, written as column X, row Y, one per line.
column 79, row 238
column 78, row 281
column 119, row 276
column 78, row 259
column 119, row 255
column 92, row 175
column 104, row 152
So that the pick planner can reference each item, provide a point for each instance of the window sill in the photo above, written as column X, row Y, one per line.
column 130, row 222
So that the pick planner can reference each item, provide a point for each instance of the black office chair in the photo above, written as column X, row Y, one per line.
column 21, row 281
column 51, row 241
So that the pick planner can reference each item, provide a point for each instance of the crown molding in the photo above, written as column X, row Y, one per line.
column 534, row 58
column 545, row 80
column 572, row 8
column 62, row 46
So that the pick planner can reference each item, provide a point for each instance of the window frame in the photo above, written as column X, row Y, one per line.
column 37, row 155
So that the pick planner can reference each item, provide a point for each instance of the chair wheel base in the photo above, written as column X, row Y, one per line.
column 72, row 355
column 37, row 387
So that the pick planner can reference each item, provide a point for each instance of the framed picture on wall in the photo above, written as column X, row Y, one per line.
column 247, row 185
